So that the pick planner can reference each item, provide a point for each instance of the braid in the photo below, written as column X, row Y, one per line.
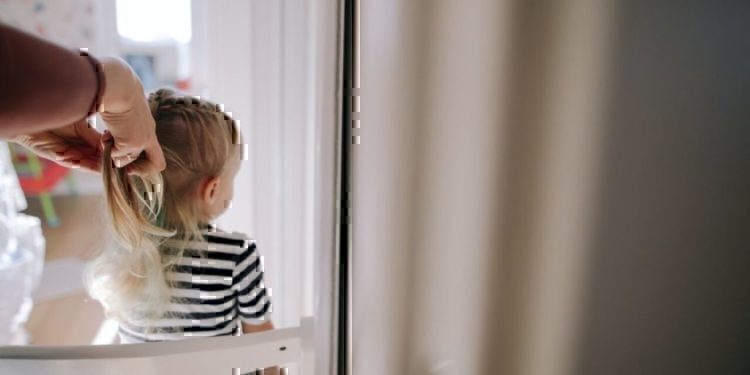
column 166, row 101
column 156, row 99
column 170, row 108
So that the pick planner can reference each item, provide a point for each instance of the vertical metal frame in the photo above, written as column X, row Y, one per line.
column 349, row 115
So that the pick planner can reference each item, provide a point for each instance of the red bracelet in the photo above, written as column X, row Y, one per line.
column 101, row 82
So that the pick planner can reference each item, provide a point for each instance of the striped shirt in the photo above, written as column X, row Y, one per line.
column 217, row 282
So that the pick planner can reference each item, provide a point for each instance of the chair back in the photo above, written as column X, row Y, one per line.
column 209, row 356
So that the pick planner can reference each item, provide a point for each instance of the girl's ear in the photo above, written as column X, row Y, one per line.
column 209, row 189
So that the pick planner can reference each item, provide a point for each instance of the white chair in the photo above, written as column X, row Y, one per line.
column 214, row 355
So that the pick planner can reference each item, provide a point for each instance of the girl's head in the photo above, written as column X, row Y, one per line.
column 202, row 150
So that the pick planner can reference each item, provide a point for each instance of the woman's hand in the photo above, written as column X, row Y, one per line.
column 128, row 117
column 73, row 146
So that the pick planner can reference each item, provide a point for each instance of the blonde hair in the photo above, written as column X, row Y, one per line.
column 129, row 275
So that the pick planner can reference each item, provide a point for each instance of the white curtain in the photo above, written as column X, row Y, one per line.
column 533, row 188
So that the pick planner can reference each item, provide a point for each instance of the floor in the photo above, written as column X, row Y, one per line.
column 63, row 314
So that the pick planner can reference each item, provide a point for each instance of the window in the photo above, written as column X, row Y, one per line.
column 154, row 20
column 155, row 39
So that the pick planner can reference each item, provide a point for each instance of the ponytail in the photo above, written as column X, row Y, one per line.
column 129, row 278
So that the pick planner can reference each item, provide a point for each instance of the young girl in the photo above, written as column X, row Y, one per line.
column 170, row 275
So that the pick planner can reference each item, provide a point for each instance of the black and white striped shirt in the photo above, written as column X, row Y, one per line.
column 218, row 282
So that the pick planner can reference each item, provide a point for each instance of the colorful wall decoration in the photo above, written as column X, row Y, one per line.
column 66, row 22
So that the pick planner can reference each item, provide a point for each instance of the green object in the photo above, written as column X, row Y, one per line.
column 49, row 210
column 33, row 167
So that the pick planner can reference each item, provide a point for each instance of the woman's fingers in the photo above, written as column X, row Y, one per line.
column 86, row 164
column 75, row 158
column 123, row 161
column 121, row 155
column 89, row 135
column 149, row 160
column 73, row 146
column 155, row 155
column 145, row 166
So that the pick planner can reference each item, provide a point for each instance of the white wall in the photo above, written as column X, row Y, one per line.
column 69, row 23
column 221, row 49
column 273, row 64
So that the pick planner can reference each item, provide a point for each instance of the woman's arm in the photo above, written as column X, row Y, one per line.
column 42, row 85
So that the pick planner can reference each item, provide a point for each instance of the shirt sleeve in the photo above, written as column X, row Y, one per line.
column 253, row 299
column 42, row 85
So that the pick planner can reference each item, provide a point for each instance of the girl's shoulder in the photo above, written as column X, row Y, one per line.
column 218, row 236
column 239, row 244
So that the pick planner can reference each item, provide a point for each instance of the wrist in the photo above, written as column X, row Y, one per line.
column 101, row 83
